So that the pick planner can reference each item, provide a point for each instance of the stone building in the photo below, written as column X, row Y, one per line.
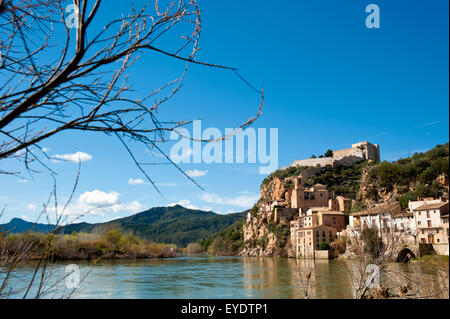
column 429, row 223
column 308, row 240
column 340, row 203
column 359, row 151
column 317, row 216
column 380, row 216
column 316, row 196
column 363, row 150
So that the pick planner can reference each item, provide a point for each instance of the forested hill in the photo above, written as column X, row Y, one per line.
column 171, row 225
column 420, row 175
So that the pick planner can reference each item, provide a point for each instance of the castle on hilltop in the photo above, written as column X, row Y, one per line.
column 359, row 151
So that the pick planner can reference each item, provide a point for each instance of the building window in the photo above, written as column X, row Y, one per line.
column 419, row 223
column 428, row 214
column 429, row 223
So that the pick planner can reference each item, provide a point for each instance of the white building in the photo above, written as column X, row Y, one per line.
column 430, row 223
column 380, row 216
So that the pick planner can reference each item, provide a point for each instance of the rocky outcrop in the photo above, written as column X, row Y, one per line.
column 272, row 189
column 262, row 237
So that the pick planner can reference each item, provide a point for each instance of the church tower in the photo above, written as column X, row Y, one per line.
column 298, row 195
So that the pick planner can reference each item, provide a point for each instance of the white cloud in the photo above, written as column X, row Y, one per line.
column 31, row 207
column 185, row 203
column 245, row 201
column 196, row 173
column 98, row 202
column 99, row 198
column 74, row 158
column 136, row 181
column 23, row 180
column 45, row 149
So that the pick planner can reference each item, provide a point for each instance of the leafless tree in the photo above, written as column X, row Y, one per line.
column 62, row 69
column 306, row 270
column 396, row 280
column 46, row 278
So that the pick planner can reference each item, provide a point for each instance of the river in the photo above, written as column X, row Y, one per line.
column 203, row 277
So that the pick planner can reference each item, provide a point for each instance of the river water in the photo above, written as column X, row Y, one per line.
column 204, row 277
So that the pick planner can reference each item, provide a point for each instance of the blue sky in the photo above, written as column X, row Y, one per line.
column 329, row 82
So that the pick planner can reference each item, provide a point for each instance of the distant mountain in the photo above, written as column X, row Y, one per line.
column 17, row 225
column 172, row 225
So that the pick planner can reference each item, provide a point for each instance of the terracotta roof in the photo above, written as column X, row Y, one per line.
column 403, row 214
column 323, row 208
column 392, row 208
column 331, row 212
column 432, row 206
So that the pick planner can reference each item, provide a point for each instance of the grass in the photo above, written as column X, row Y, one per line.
column 436, row 258
column 77, row 246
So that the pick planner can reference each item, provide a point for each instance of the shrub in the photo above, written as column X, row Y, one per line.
column 373, row 245
column 193, row 248
column 324, row 246
column 339, row 246
column 113, row 236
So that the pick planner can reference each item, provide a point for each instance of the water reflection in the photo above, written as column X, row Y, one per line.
column 214, row 277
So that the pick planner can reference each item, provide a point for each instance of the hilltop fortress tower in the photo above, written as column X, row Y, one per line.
column 359, row 151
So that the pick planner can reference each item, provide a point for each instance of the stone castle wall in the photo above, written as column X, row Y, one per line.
column 358, row 151
column 313, row 162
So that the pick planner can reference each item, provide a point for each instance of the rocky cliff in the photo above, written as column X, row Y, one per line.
column 262, row 237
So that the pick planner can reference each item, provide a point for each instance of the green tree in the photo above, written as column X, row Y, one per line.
column 373, row 244
column 329, row 153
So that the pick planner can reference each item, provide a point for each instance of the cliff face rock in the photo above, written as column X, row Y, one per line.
column 272, row 189
column 264, row 238
column 370, row 193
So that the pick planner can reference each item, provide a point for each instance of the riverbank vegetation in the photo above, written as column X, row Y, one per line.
column 111, row 245
column 227, row 242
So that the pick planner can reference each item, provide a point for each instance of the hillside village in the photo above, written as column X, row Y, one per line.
column 303, row 222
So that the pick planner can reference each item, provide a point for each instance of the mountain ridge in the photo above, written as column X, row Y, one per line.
column 171, row 225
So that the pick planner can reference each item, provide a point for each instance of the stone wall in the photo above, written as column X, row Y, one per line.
column 313, row 162
column 321, row 254
column 441, row 249
column 358, row 151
